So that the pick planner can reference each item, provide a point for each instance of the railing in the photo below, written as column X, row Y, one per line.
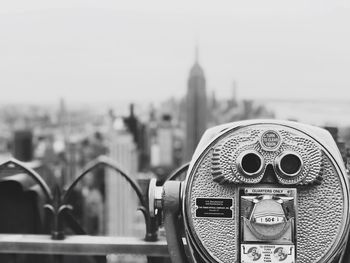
column 81, row 245
column 57, row 205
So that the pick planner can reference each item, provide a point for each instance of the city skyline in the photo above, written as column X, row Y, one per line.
column 187, row 131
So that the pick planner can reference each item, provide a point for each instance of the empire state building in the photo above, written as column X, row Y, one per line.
column 196, row 108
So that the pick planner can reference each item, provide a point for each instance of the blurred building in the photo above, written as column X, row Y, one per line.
column 23, row 145
column 196, row 108
column 166, row 135
column 121, row 203
column 165, row 139
column 140, row 134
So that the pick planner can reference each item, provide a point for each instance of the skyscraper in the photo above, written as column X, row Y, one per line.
column 121, row 201
column 166, row 141
column 196, row 108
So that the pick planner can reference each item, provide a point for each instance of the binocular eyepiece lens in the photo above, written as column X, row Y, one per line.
column 289, row 164
column 250, row 163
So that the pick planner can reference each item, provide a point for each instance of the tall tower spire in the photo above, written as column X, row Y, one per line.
column 196, row 69
column 196, row 53
column 196, row 109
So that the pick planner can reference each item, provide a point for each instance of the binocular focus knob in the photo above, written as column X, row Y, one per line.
column 154, row 197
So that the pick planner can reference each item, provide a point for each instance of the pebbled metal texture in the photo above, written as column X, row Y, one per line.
column 218, row 235
column 320, row 213
column 320, row 216
column 225, row 154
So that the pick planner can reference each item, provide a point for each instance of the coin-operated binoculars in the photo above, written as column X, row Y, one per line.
column 259, row 192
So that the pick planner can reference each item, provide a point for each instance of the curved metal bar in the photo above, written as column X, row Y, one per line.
column 104, row 160
column 178, row 172
column 151, row 234
column 32, row 173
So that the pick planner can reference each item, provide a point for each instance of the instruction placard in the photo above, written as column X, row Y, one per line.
column 214, row 207
column 255, row 253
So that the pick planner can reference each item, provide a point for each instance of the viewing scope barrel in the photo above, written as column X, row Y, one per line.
column 260, row 191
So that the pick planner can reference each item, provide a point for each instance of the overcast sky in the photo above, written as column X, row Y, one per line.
column 143, row 50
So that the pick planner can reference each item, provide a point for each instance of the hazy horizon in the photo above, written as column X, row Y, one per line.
column 142, row 51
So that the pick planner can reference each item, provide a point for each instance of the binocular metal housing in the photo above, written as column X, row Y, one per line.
column 260, row 191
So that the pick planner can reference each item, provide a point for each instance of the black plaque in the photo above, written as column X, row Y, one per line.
column 214, row 207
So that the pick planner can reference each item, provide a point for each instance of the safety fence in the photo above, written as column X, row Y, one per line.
column 55, row 240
